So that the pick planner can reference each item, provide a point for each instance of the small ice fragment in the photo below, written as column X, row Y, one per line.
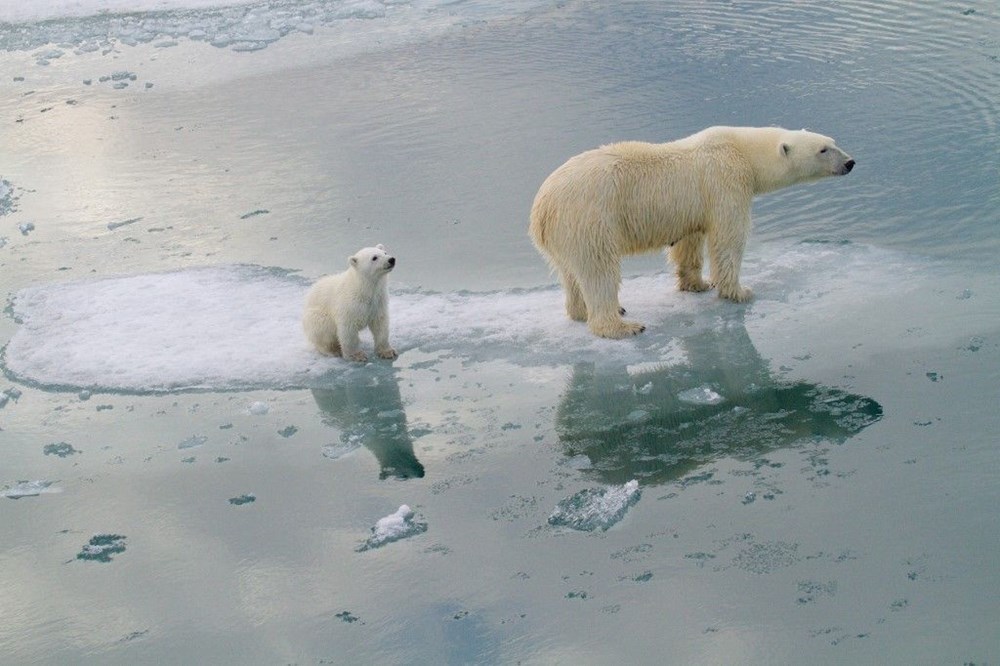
column 26, row 228
column 637, row 416
column 578, row 462
column 335, row 451
column 702, row 395
column 394, row 527
column 596, row 508
column 749, row 497
column 84, row 395
column 101, row 547
column 645, row 389
column 258, row 408
column 28, row 489
column 192, row 441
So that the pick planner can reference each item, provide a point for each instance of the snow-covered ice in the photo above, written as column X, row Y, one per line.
column 238, row 327
column 393, row 527
column 595, row 508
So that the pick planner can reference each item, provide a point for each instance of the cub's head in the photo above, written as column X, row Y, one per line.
column 809, row 156
column 372, row 261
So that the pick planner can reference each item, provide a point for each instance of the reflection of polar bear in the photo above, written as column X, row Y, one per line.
column 339, row 306
column 633, row 197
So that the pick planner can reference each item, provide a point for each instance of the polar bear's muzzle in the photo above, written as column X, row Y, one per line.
column 846, row 169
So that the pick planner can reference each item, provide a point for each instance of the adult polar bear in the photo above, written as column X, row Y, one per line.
column 633, row 197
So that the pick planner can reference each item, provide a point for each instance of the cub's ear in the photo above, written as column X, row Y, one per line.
column 785, row 149
column 353, row 260
column 381, row 247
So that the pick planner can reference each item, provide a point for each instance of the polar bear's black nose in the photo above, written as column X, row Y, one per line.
column 848, row 165
column 392, row 261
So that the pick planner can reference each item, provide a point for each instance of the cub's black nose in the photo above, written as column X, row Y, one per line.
column 848, row 165
column 392, row 260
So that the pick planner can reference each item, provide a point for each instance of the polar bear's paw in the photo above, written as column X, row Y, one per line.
column 358, row 356
column 616, row 330
column 688, row 283
column 388, row 353
column 737, row 295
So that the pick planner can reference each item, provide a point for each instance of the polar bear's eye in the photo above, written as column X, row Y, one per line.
column 374, row 258
column 823, row 151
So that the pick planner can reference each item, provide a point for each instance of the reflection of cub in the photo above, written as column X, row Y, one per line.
column 371, row 412
column 339, row 306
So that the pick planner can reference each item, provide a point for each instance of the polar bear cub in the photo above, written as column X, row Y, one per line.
column 339, row 306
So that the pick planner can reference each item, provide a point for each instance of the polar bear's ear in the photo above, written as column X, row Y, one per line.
column 380, row 247
column 785, row 149
column 353, row 260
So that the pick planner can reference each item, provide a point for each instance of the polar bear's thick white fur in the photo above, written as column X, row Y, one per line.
column 338, row 307
column 632, row 197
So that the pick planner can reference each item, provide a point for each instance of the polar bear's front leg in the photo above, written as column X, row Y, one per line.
column 726, row 242
column 350, row 342
column 380, row 331
column 688, row 256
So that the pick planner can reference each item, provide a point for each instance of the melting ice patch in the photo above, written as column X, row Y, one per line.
column 28, row 489
column 238, row 327
column 393, row 527
column 595, row 508
column 242, row 25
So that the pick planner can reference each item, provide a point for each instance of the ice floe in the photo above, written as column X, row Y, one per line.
column 238, row 327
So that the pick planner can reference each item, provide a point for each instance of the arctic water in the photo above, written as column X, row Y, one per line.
column 807, row 478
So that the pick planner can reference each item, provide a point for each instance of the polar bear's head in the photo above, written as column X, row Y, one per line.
column 372, row 261
column 809, row 156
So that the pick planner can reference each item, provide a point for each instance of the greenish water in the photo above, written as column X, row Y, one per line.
column 817, row 468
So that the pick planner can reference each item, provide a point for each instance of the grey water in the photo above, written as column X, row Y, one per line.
column 182, row 481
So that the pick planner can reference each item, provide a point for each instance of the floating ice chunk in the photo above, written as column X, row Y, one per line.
column 750, row 497
column 335, row 451
column 192, row 442
column 595, row 508
column 394, row 527
column 26, row 228
column 101, row 547
column 29, row 489
column 258, row 408
column 702, row 395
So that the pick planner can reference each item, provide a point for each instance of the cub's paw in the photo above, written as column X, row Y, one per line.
column 358, row 356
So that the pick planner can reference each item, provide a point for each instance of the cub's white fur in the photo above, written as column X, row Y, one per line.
column 339, row 306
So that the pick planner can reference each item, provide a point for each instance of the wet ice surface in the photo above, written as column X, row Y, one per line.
column 239, row 327
column 816, row 466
